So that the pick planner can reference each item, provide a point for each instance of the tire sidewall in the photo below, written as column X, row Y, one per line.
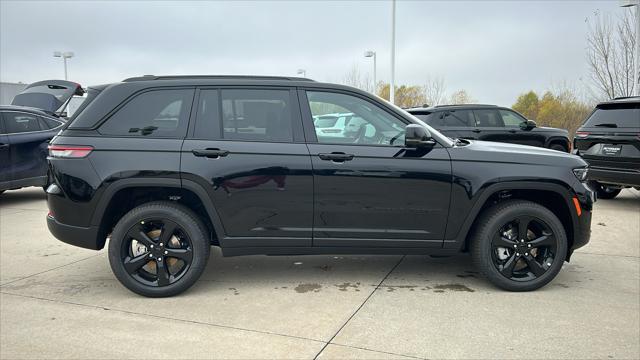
column 189, row 224
column 501, row 216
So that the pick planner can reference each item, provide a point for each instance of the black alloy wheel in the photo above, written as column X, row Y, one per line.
column 519, row 245
column 159, row 249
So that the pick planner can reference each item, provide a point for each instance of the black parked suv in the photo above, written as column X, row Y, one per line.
column 165, row 167
column 609, row 140
column 491, row 123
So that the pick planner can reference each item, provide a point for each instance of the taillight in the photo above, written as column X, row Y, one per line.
column 582, row 134
column 69, row 152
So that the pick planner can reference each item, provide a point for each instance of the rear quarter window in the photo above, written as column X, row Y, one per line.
column 155, row 113
column 621, row 116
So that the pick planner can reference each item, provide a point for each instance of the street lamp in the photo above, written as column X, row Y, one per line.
column 372, row 54
column 64, row 55
column 302, row 72
column 636, row 60
column 392, row 86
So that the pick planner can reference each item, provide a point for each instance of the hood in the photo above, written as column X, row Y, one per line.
column 48, row 95
column 523, row 154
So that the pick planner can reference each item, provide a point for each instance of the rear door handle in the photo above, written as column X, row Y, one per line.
column 210, row 153
column 336, row 157
column 513, row 131
column 476, row 130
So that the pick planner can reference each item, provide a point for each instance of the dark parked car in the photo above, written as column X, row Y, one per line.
column 609, row 140
column 26, row 127
column 166, row 167
column 491, row 123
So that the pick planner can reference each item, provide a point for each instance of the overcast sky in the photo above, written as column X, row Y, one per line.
column 494, row 50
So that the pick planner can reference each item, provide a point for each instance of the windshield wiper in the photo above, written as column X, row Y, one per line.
column 609, row 125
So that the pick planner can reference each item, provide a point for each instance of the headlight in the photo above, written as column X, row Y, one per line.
column 581, row 173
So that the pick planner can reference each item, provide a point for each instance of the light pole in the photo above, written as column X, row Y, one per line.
column 64, row 55
column 302, row 72
column 636, row 56
column 373, row 55
column 392, row 86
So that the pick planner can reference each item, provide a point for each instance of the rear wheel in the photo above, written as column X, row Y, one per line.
column 158, row 249
column 604, row 191
column 519, row 245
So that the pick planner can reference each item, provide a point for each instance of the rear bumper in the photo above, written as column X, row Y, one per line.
column 85, row 237
column 623, row 177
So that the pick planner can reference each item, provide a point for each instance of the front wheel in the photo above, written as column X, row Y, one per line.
column 519, row 245
column 158, row 249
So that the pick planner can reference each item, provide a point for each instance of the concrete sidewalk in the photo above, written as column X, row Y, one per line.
column 59, row 301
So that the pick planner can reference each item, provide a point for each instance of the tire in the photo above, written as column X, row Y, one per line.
column 486, row 254
column 604, row 191
column 558, row 147
column 185, row 227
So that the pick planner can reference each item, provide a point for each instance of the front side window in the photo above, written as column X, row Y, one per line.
column 15, row 122
column 364, row 122
column 47, row 123
column 156, row 113
column 488, row 118
column 257, row 115
column 511, row 119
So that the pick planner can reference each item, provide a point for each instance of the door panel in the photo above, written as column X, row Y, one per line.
column 383, row 196
column 28, row 145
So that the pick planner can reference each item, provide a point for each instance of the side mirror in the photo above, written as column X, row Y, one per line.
column 528, row 125
column 417, row 136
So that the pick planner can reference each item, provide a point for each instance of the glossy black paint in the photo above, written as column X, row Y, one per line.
column 23, row 156
column 301, row 197
column 523, row 134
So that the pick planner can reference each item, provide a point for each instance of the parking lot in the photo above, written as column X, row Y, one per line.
column 59, row 301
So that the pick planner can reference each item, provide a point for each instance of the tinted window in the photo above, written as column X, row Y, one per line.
column 434, row 119
column 258, row 115
column 488, row 118
column 622, row 117
column 511, row 118
column 52, row 123
column 208, row 121
column 458, row 118
column 365, row 122
column 15, row 122
column 158, row 113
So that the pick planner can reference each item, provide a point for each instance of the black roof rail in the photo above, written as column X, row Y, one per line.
column 626, row 97
column 454, row 105
column 214, row 77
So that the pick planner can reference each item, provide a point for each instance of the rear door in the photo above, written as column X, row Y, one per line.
column 489, row 125
column 246, row 148
column 5, row 162
column 28, row 142
column 459, row 123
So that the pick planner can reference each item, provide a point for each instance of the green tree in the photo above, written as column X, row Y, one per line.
column 527, row 105
column 405, row 96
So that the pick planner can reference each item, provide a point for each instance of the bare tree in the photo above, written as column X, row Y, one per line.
column 356, row 79
column 435, row 91
column 610, row 47
column 461, row 97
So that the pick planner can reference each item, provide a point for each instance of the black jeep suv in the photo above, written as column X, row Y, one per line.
column 609, row 140
column 491, row 123
column 165, row 167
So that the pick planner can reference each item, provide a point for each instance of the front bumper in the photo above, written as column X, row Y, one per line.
column 585, row 198
column 85, row 237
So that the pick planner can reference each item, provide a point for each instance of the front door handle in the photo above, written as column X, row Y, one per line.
column 476, row 130
column 4, row 146
column 336, row 157
column 210, row 153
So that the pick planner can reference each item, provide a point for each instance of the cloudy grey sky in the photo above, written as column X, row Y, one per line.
column 495, row 50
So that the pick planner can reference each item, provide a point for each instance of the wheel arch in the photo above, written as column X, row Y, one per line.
column 559, row 140
column 123, row 195
column 552, row 196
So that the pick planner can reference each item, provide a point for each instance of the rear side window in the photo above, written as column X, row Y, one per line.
column 615, row 116
column 156, row 113
column 458, row 118
column 15, row 122
column 488, row 118
column 256, row 115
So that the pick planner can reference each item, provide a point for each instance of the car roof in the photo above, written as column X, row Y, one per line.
column 622, row 100
column 454, row 106
column 26, row 109
column 214, row 77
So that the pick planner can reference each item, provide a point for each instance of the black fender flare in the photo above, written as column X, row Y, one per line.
column 460, row 240
column 565, row 141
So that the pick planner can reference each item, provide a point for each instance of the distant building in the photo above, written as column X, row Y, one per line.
column 9, row 90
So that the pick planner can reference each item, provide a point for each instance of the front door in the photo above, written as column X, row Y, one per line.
column 247, row 150
column 371, row 191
